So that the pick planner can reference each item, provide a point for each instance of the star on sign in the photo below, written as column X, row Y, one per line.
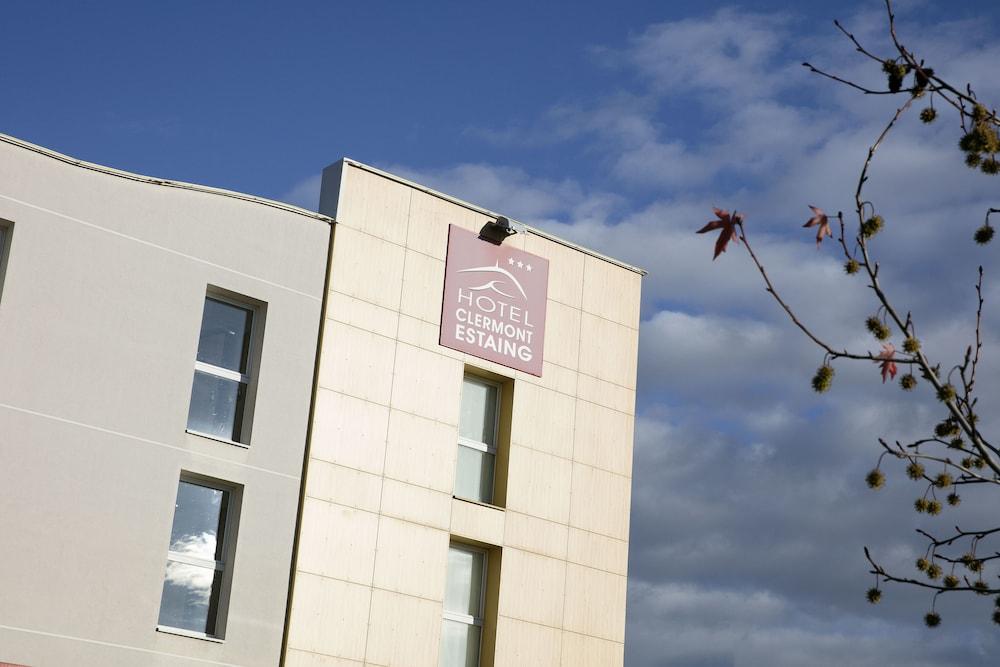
column 520, row 265
column 511, row 261
column 528, row 267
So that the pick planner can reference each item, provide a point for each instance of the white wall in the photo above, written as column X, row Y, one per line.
column 379, row 509
column 99, row 320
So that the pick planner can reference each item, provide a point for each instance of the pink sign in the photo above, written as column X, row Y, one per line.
column 494, row 302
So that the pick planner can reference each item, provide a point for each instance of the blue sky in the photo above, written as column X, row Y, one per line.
column 618, row 126
column 258, row 96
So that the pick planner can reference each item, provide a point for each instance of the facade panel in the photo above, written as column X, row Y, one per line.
column 558, row 508
column 103, row 296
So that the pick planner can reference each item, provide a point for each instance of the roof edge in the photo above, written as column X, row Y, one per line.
column 492, row 214
column 181, row 185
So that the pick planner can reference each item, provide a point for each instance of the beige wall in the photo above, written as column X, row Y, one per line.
column 99, row 321
column 379, row 512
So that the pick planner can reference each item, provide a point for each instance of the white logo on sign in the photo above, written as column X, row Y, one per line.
column 492, row 285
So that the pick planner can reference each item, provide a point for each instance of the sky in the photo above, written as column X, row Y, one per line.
column 619, row 126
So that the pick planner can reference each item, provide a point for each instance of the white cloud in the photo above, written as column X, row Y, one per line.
column 304, row 193
column 731, row 56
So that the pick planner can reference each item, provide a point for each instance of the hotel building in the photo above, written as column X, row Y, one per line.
column 395, row 433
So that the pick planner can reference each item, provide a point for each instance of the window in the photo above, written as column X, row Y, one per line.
column 464, row 604
column 195, row 579
column 477, row 439
column 223, row 370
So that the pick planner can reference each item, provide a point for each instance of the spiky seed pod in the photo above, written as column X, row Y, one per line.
column 934, row 507
column 967, row 462
column 921, row 78
column 978, row 463
column 981, row 587
column 984, row 234
column 956, row 443
column 982, row 138
column 923, row 564
column 928, row 115
column 872, row 226
column 971, row 563
column 915, row 471
column 990, row 166
column 950, row 581
column 920, row 504
column 972, row 160
column 991, row 140
column 954, row 499
column 895, row 73
column 874, row 595
column 851, row 267
column 946, row 393
column 979, row 112
column 946, row 429
column 971, row 143
column 823, row 379
column 932, row 619
column 911, row 345
column 934, row 571
column 943, row 480
column 877, row 328
column 875, row 479
column 908, row 382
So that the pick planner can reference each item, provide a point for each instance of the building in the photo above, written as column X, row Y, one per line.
column 235, row 432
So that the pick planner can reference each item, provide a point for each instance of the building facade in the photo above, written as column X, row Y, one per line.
column 234, row 432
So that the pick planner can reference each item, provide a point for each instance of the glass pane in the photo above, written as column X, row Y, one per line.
column 474, row 475
column 479, row 412
column 459, row 645
column 216, row 406
column 464, row 587
column 199, row 521
column 190, row 597
column 225, row 335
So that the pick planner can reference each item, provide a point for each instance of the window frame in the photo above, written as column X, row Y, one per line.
column 482, row 446
column 225, row 566
column 478, row 621
column 255, row 339
column 6, row 233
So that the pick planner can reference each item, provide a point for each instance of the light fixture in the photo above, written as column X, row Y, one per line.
column 496, row 231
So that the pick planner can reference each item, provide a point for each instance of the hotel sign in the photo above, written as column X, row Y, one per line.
column 494, row 302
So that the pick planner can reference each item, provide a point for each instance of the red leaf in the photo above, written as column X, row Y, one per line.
column 727, row 223
column 888, row 366
column 822, row 223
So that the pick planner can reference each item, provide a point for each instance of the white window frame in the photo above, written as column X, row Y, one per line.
column 228, row 540
column 480, row 620
column 482, row 446
column 253, row 355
